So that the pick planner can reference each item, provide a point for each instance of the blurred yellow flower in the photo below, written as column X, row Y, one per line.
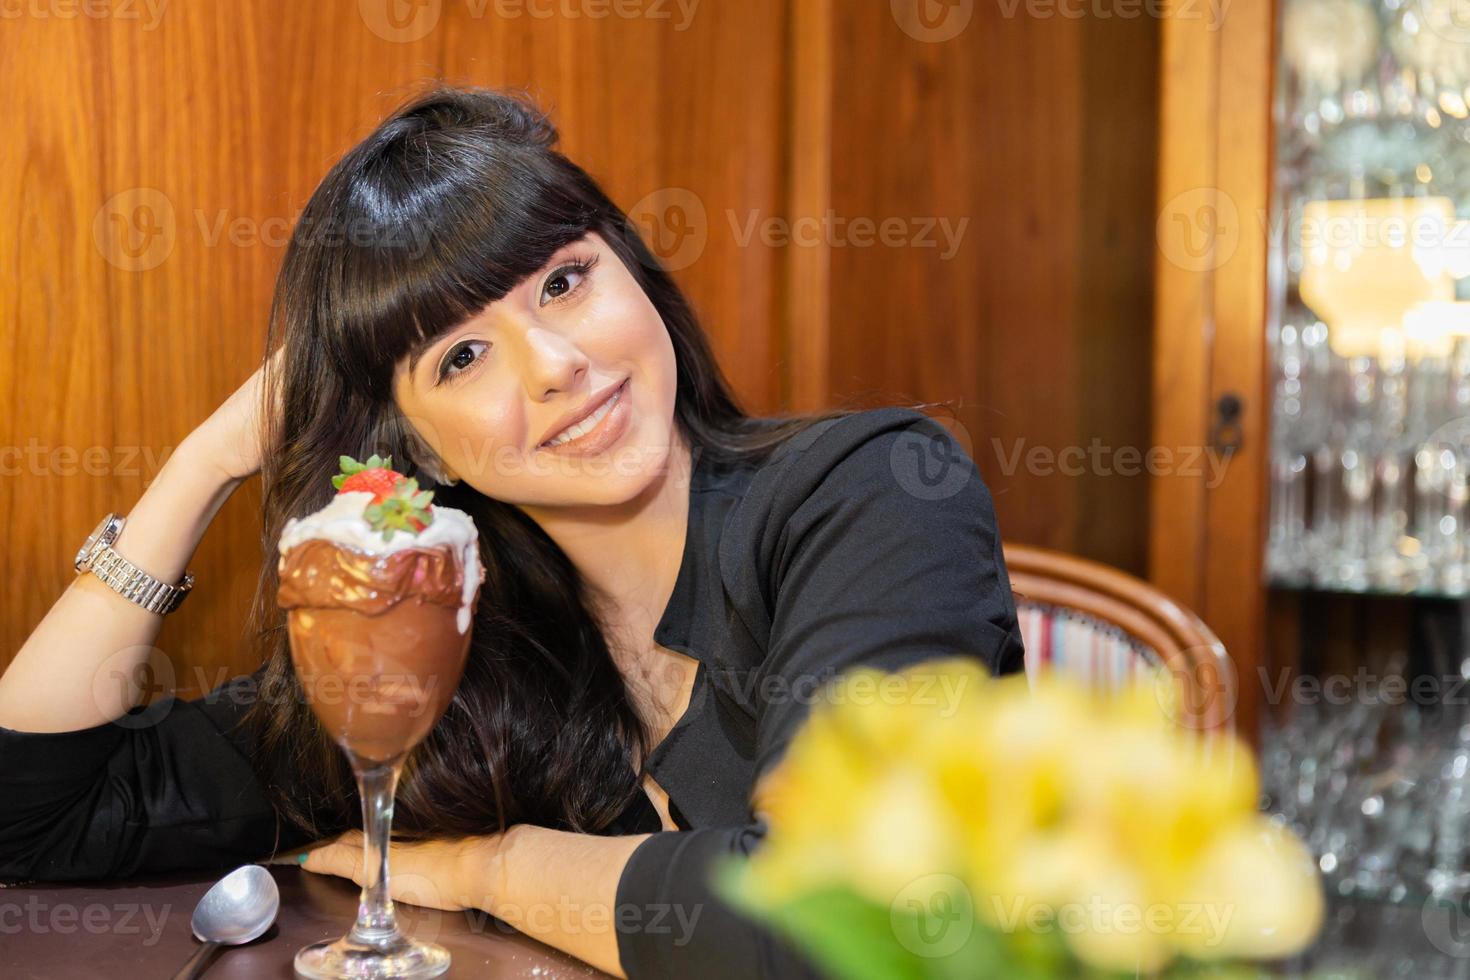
column 1264, row 882
column 1062, row 809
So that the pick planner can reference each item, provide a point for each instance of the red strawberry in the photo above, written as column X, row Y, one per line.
column 397, row 505
column 375, row 476
column 377, row 481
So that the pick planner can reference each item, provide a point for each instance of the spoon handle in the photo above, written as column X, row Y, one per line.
column 197, row 962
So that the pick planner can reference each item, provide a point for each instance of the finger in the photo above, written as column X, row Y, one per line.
column 321, row 860
column 340, row 858
column 328, row 859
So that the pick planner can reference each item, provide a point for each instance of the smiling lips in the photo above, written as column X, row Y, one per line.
column 589, row 422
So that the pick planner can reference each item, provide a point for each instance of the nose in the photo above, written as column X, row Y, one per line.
column 551, row 362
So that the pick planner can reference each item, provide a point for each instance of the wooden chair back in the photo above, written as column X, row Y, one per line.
column 1111, row 628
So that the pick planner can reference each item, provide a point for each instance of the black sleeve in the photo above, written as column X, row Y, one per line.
column 165, row 787
column 891, row 556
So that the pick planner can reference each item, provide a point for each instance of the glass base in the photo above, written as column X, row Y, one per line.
column 345, row 959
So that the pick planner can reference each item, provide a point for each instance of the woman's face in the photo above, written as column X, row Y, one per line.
column 489, row 394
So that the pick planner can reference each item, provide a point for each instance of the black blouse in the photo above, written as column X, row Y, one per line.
column 869, row 539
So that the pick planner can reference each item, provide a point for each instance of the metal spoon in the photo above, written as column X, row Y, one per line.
column 240, row 907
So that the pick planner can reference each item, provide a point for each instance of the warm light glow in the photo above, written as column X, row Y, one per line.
column 1433, row 327
column 1365, row 263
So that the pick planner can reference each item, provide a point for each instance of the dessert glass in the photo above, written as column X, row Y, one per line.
column 379, row 637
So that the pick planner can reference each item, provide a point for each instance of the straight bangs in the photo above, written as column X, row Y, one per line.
column 416, row 257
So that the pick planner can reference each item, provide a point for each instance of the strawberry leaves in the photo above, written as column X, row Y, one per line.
column 397, row 505
column 349, row 466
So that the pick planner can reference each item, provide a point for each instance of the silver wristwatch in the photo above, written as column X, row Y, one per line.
column 125, row 578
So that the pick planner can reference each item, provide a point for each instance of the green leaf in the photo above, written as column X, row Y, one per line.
column 349, row 466
column 850, row 937
column 847, row 937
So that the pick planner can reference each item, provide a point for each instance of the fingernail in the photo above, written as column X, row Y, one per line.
column 301, row 858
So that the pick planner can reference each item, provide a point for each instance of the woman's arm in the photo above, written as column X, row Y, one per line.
column 561, row 888
column 90, row 790
column 52, row 684
column 168, row 789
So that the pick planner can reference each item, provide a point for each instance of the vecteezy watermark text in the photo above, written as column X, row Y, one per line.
column 39, row 459
column 37, row 916
column 406, row 21
column 839, row 231
column 1211, row 11
column 568, row 917
column 94, row 9
column 1364, row 686
column 1099, row 459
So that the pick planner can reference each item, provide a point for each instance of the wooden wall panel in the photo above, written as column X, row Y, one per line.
column 1033, row 137
column 54, row 294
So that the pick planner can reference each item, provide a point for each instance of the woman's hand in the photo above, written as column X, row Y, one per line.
column 448, row 875
column 231, row 438
column 554, row 885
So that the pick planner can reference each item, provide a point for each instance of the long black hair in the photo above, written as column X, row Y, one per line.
column 446, row 206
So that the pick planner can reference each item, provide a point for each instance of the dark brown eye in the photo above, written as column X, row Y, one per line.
column 460, row 358
column 566, row 280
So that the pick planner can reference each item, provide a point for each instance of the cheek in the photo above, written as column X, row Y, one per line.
column 635, row 337
column 471, row 436
column 624, row 326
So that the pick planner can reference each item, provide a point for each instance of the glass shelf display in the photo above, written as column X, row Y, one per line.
column 1369, row 299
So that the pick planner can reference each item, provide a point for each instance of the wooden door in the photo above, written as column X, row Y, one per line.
column 1206, row 539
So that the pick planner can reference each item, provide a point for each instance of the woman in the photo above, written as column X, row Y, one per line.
column 664, row 596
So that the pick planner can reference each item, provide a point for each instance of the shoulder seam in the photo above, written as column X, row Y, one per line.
column 824, row 430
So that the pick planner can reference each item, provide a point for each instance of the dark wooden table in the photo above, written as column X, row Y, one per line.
column 140, row 928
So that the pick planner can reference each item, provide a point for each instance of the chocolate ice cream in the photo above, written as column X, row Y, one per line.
column 379, row 622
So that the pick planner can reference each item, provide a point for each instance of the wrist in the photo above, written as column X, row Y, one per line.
column 483, row 865
column 164, row 526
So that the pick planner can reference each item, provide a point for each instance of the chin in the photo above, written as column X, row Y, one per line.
column 636, row 466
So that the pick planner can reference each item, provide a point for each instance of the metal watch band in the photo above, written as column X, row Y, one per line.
column 136, row 585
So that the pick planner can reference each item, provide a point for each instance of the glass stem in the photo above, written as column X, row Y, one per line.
column 377, row 924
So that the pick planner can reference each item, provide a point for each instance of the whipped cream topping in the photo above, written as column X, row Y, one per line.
column 342, row 522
